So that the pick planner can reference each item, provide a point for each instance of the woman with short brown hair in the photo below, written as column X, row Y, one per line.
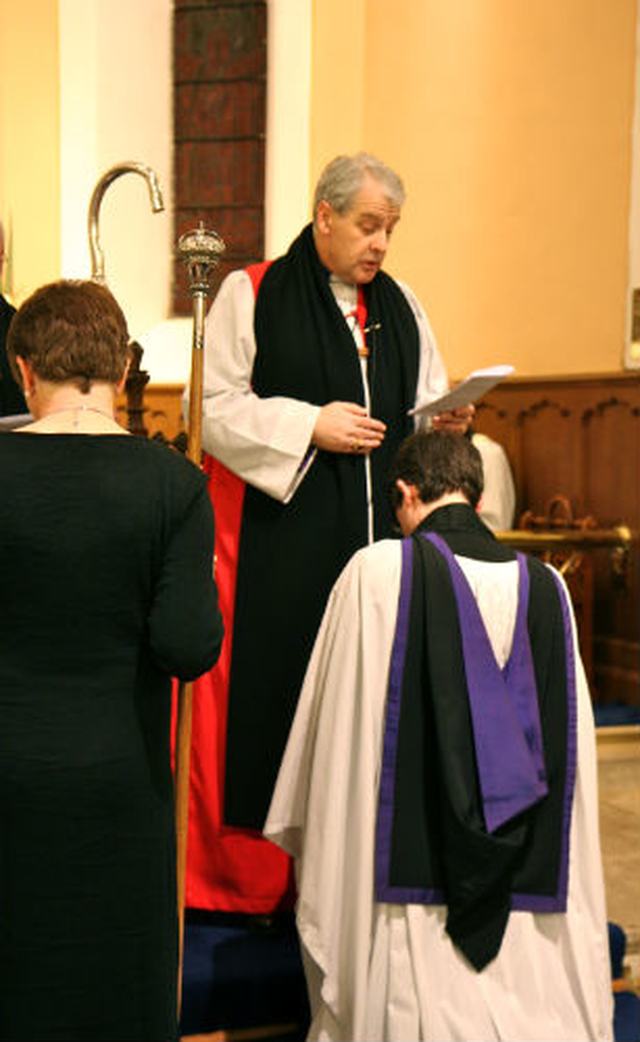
column 106, row 576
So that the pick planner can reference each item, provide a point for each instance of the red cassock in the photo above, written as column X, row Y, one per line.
column 228, row 869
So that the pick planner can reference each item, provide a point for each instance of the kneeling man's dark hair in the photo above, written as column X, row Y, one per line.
column 437, row 462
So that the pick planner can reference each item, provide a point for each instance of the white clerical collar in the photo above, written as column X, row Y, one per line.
column 344, row 291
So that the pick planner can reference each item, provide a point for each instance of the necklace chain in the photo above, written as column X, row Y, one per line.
column 76, row 410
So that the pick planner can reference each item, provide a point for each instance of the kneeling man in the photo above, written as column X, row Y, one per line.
column 439, row 788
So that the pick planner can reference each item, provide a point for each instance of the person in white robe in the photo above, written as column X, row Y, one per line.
column 390, row 971
column 498, row 507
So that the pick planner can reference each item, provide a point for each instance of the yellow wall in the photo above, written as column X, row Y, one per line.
column 29, row 132
column 510, row 123
column 511, row 126
column 338, row 84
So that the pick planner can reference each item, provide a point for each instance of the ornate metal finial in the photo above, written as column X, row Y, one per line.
column 200, row 250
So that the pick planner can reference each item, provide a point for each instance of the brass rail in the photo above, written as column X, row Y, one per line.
column 619, row 540
column 620, row 537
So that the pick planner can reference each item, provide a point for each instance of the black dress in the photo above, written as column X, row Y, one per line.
column 106, row 587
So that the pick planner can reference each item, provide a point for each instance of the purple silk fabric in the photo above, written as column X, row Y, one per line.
column 503, row 704
column 506, row 728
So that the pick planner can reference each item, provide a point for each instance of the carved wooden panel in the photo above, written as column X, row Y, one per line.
column 162, row 410
column 545, row 422
column 580, row 437
column 609, row 433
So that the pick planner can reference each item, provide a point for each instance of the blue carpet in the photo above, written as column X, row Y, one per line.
column 240, row 972
column 615, row 714
column 626, row 1017
column 626, row 1010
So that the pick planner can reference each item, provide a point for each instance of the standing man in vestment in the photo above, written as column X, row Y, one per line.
column 439, row 786
column 312, row 363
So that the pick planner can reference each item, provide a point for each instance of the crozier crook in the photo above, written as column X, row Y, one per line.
column 155, row 196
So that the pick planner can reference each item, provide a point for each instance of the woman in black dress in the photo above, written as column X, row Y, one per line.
column 106, row 581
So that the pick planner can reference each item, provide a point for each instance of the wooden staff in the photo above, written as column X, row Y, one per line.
column 200, row 251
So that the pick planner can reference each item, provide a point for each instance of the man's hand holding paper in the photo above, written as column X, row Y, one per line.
column 454, row 410
column 457, row 421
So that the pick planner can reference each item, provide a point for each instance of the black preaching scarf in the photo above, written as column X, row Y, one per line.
column 290, row 555
column 478, row 763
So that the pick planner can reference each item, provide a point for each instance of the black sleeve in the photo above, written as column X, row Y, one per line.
column 185, row 624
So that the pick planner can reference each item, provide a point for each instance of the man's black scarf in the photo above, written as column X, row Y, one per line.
column 434, row 844
column 290, row 555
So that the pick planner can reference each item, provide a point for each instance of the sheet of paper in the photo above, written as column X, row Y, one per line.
column 469, row 390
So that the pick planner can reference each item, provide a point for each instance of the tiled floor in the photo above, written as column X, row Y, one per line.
column 619, row 785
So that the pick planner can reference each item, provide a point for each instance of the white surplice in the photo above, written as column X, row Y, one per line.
column 389, row 972
column 498, row 503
